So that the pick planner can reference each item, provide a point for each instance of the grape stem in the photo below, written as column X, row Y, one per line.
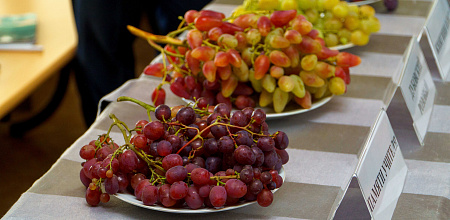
column 99, row 143
column 201, row 112
column 157, row 38
column 160, row 49
column 218, row 123
column 231, row 135
column 149, row 108
column 180, row 30
column 206, row 42
column 243, row 128
column 123, row 129
column 219, row 178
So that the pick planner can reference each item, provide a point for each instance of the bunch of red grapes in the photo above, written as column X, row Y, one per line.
column 199, row 157
column 269, row 58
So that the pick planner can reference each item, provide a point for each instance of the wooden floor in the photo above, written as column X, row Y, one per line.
column 23, row 160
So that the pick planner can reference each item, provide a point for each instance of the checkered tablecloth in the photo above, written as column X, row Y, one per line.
column 324, row 143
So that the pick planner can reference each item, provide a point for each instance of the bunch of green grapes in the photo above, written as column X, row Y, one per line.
column 338, row 22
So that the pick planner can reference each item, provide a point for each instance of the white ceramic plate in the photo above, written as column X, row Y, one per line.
column 129, row 198
column 291, row 108
column 342, row 47
column 366, row 2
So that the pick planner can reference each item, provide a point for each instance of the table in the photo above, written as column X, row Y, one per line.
column 324, row 149
column 21, row 72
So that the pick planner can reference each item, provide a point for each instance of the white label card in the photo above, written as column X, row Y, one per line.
column 436, row 28
column 382, row 170
column 418, row 90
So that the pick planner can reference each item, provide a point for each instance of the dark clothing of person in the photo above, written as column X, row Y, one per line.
column 104, row 59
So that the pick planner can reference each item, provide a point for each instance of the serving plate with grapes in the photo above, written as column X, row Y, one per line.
column 365, row 2
column 131, row 199
column 291, row 109
column 342, row 46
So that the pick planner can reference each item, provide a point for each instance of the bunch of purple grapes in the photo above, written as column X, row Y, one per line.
column 199, row 157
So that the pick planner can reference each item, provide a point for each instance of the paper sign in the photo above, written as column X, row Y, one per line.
column 382, row 170
column 378, row 179
column 436, row 28
column 351, row 205
column 418, row 90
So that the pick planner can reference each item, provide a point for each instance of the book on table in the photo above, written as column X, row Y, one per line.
column 18, row 32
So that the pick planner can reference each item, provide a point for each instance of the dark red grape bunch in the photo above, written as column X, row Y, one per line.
column 197, row 157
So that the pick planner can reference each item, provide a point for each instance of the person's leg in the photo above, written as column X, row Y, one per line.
column 104, row 55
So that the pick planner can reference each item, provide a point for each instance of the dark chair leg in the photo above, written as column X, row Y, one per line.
column 20, row 128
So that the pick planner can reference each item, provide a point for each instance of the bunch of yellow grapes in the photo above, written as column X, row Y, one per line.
column 338, row 22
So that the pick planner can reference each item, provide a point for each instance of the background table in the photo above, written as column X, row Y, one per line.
column 324, row 149
column 21, row 72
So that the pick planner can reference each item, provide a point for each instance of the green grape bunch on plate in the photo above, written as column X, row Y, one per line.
column 338, row 22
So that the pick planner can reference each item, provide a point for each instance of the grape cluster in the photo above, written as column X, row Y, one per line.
column 391, row 5
column 339, row 22
column 255, row 58
column 198, row 157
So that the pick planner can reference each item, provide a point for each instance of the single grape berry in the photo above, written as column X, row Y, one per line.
column 259, row 116
column 140, row 186
column 243, row 137
column 104, row 197
column 149, row 195
column 172, row 160
column 136, row 179
column 163, row 112
column 218, row 196
column 93, row 196
column 246, row 176
column 175, row 174
column 213, row 164
column 210, row 146
column 239, row 119
column 222, row 109
column 235, row 188
column 112, row 185
column 202, row 103
column 154, row 130
column 193, row 199
column 186, row 115
column 164, row 148
column 255, row 186
column 391, row 5
column 140, row 126
column 266, row 143
column 281, row 140
column 128, row 161
column 244, row 155
column 200, row 176
column 178, row 190
column 265, row 198
column 87, row 152
column 175, row 141
column 225, row 144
